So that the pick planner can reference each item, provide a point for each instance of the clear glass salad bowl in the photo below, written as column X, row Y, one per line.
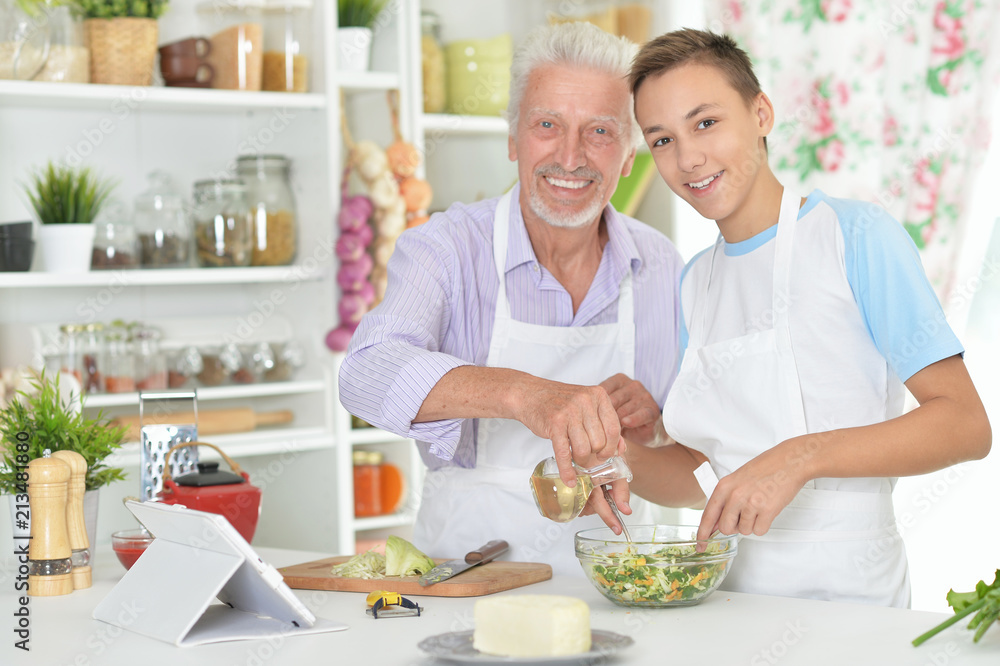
column 659, row 568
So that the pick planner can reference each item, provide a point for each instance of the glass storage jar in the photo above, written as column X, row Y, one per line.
column 150, row 361
column 255, row 360
column 119, row 372
column 367, row 483
column 182, row 365
column 72, row 351
column 287, row 47
column 269, row 192
column 115, row 242
column 288, row 358
column 92, row 354
column 237, row 35
column 24, row 40
column 432, row 61
column 162, row 225
column 218, row 364
column 69, row 57
column 223, row 223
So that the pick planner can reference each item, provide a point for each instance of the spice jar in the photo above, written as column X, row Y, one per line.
column 24, row 40
column 162, row 225
column 237, row 37
column 367, row 483
column 92, row 354
column 218, row 364
column 72, row 351
column 287, row 26
column 182, row 365
column 273, row 204
column 119, row 373
column 150, row 361
column 69, row 58
column 288, row 358
column 223, row 223
column 115, row 242
column 255, row 361
column 432, row 60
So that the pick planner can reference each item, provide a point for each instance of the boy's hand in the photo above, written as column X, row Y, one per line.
column 748, row 500
column 637, row 410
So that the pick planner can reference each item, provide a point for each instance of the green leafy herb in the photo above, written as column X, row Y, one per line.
column 984, row 602
column 52, row 424
column 64, row 195
column 358, row 13
column 122, row 8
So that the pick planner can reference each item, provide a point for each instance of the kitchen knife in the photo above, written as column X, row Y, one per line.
column 481, row 555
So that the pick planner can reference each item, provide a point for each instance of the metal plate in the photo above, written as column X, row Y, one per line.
column 456, row 646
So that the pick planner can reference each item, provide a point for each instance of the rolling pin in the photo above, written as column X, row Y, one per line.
column 210, row 421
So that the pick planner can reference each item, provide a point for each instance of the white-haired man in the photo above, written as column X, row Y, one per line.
column 539, row 322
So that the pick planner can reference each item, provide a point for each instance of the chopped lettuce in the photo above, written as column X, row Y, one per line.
column 673, row 574
column 403, row 559
column 366, row 565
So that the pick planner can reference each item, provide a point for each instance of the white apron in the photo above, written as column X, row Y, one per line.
column 462, row 509
column 734, row 399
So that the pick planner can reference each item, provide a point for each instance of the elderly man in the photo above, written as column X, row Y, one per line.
column 539, row 322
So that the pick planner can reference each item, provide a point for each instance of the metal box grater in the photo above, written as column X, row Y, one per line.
column 157, row 439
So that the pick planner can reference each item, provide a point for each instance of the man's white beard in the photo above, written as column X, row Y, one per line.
column 564, row 218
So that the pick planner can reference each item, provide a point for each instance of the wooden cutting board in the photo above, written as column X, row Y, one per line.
column 488, row 578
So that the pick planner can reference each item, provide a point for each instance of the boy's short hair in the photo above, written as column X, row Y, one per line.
column 685, row 46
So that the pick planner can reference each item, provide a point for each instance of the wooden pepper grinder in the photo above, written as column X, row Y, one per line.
column 76, row 527
column 49, row 555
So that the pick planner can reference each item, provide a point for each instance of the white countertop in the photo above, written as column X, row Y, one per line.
column 726, row 629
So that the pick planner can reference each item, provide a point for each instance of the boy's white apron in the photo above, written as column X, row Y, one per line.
column 735, row 399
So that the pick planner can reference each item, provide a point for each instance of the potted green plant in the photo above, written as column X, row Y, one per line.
column 66, row 200
column 355, row 21
column 122, row 35
column 44, row 417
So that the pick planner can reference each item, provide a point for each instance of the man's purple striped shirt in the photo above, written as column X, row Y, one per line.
column 437, row 314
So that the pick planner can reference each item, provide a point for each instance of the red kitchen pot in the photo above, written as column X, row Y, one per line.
column 215, row 491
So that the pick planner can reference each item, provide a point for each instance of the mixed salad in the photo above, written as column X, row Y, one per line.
column 674, row 574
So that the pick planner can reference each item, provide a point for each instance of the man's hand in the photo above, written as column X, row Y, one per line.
column 748, row 500
column 637, row 411
column 579, row 420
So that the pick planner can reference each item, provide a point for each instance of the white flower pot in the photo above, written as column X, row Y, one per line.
column 65, row 248
column 354, row 48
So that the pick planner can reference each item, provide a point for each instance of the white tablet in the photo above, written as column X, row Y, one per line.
column 255, row 587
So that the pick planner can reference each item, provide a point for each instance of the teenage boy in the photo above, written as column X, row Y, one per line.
column 800, row 328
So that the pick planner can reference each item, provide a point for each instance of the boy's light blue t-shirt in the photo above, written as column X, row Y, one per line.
column 890, row 287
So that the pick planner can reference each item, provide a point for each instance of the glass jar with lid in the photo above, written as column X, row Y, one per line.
column 92, row 355
column 287, row 46
column 219, row 362
column 150, row 361
column 72, row 351
column 255, row 360
column 432, row 60
column 162, row 225
column 275, row 227
column 367, row 483
column 69, row 57
column 115, row 243
column 288, row 358
column 24, row 40
column 182, row 365
column 237, row 35
column 119, row 371
column 223, row 223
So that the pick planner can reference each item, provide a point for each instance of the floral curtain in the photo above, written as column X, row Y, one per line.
column 884, row 102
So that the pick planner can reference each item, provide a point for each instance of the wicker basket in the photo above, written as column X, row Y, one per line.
column 122, row 50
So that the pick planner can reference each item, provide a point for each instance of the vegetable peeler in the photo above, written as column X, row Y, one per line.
column 382, row 603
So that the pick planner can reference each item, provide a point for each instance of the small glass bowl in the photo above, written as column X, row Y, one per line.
column 129, row 545
column 659, row 568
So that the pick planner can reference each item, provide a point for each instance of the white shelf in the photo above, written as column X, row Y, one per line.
column 381, row 522
column 374, row 436
column 366, row 81
column 262, row 442
column 162, row 276
column 454, row 124
column 215, row 393
column 151, row 98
